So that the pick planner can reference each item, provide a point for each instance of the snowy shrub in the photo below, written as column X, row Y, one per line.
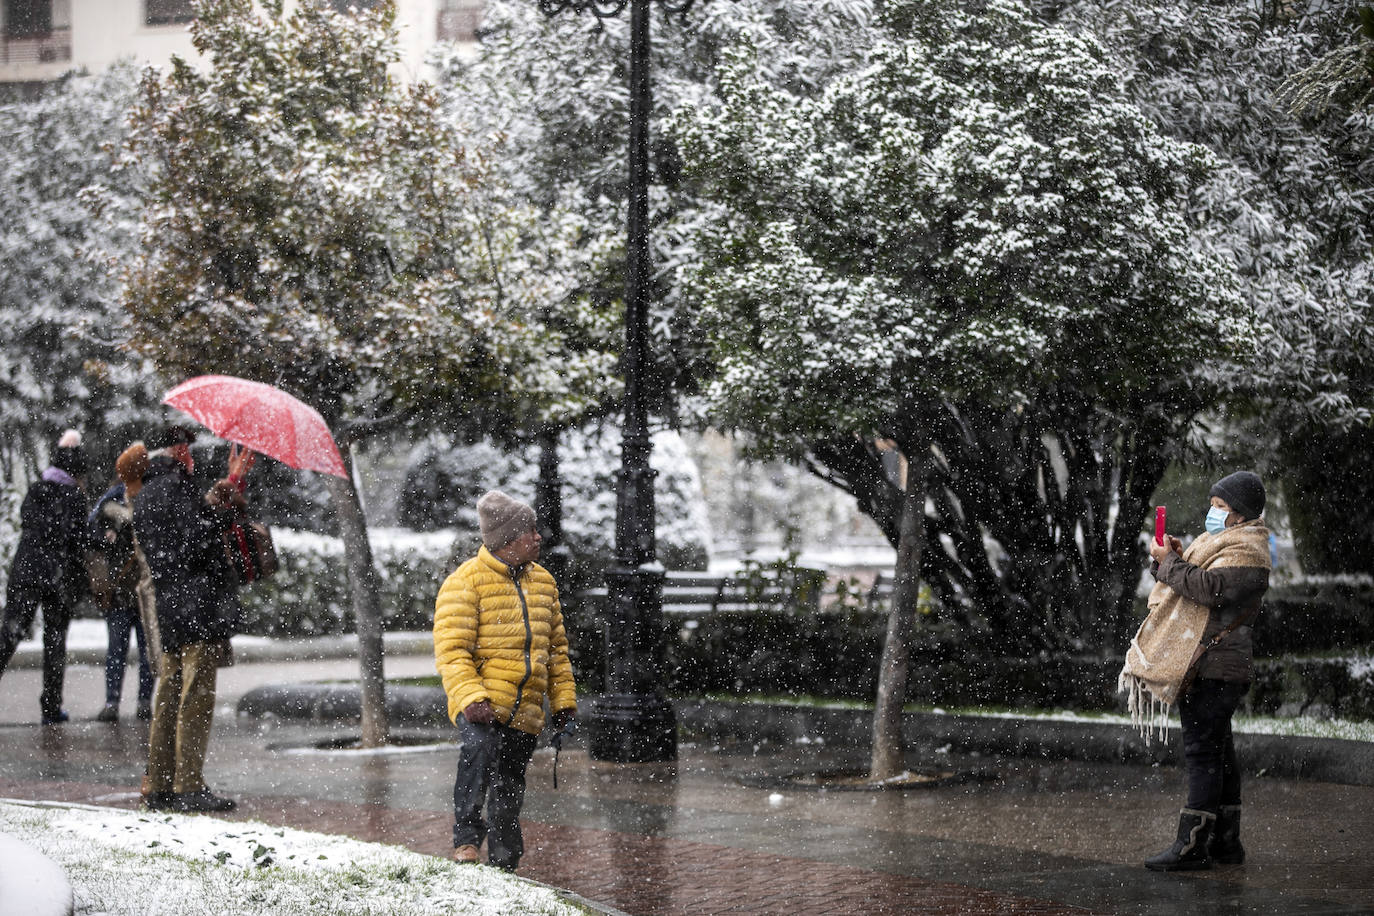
column 835, row 655
column 309, row 595
column 1317, row 615
column 10, row 501
column 1319, row 687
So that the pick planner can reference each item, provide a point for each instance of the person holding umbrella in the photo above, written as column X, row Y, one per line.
column 181, row 531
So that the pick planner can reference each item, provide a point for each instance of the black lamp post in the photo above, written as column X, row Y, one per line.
column 633, row 722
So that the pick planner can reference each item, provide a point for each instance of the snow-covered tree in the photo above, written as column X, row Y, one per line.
column 972, row 223
column 314, row 224
column 1290, row 206
column 555, row 90
column 60, row 321
column 1341, row 79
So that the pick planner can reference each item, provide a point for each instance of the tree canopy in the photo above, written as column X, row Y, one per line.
column 314, row 224
column 59, row 314
column 971, row 233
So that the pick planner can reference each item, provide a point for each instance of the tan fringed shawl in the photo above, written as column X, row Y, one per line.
column 1163, row 647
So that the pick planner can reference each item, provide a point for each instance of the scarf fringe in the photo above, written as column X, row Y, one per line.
column 1149, row 714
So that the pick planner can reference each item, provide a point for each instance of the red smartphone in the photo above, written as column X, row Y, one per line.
column 1159, row 525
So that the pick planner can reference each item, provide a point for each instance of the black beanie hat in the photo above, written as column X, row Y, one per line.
column 1243, row 492
column 68, row 455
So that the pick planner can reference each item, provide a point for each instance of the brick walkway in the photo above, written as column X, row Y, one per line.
column 704, row 837
column 659, row 877
column 642, row 876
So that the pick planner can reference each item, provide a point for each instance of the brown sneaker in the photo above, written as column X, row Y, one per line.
column 465, row 854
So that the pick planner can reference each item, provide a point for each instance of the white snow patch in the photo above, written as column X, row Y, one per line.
column 128, row 863
column 33, row 883
column 354, row 752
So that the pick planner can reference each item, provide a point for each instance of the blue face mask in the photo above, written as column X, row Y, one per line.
column 1216, row 520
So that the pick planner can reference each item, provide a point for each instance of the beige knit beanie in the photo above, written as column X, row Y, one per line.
column 502, row 519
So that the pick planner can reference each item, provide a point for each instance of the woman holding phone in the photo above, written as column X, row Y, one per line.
column 1194, row 649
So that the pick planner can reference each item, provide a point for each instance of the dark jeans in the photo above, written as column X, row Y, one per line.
column 491, row 766
column 121, row 620
column 1209, row 753
column 21, row 606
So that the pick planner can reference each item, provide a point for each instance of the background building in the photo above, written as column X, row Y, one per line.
column 42, row 39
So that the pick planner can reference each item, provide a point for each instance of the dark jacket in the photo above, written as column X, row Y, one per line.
column 182, row 540
column 52, row 544
column 1230, row 592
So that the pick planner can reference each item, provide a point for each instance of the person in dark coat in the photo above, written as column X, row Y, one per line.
column 115, row 572
column 48, row 569
column 181, row 531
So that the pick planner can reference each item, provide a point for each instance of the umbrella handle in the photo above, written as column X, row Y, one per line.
column 241, row 460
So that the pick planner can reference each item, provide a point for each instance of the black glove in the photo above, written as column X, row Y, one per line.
column 565, row 723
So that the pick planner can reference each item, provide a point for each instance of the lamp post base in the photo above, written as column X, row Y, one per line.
column 631, row 728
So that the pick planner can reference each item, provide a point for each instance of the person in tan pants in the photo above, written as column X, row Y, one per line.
column 181, row 532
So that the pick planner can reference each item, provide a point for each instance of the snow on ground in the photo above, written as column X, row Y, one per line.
column 129, row 863
column 1301, row 726
column 353, row 753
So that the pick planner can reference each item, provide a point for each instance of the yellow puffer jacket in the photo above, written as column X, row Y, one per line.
column 501, row 640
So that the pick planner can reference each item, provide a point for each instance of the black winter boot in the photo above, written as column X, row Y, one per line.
column 1189, row 852
column 1225, row 848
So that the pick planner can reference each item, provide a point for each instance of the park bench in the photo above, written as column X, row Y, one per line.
column 880, row 593
column 694, row 592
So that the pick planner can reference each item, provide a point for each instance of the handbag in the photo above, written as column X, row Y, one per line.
column 249, row 549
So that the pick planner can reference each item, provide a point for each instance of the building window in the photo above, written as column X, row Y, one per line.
column 28, row 18
column 459, row 20
column 167, row 12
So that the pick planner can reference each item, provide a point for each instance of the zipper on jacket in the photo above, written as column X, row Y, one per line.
column 529, row 640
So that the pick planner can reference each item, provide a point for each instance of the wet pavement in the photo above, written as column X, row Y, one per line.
column 724, row 831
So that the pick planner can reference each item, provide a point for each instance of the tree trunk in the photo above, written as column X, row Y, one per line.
column 367, row 603
column 889, row 750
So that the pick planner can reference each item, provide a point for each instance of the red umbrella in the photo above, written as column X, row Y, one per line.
column 265, row 419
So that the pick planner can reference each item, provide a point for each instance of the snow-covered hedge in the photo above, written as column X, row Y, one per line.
column 309, row 595
column 10, row 500
column 835, row 655
column 1323, row 687
column 1317, row 614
